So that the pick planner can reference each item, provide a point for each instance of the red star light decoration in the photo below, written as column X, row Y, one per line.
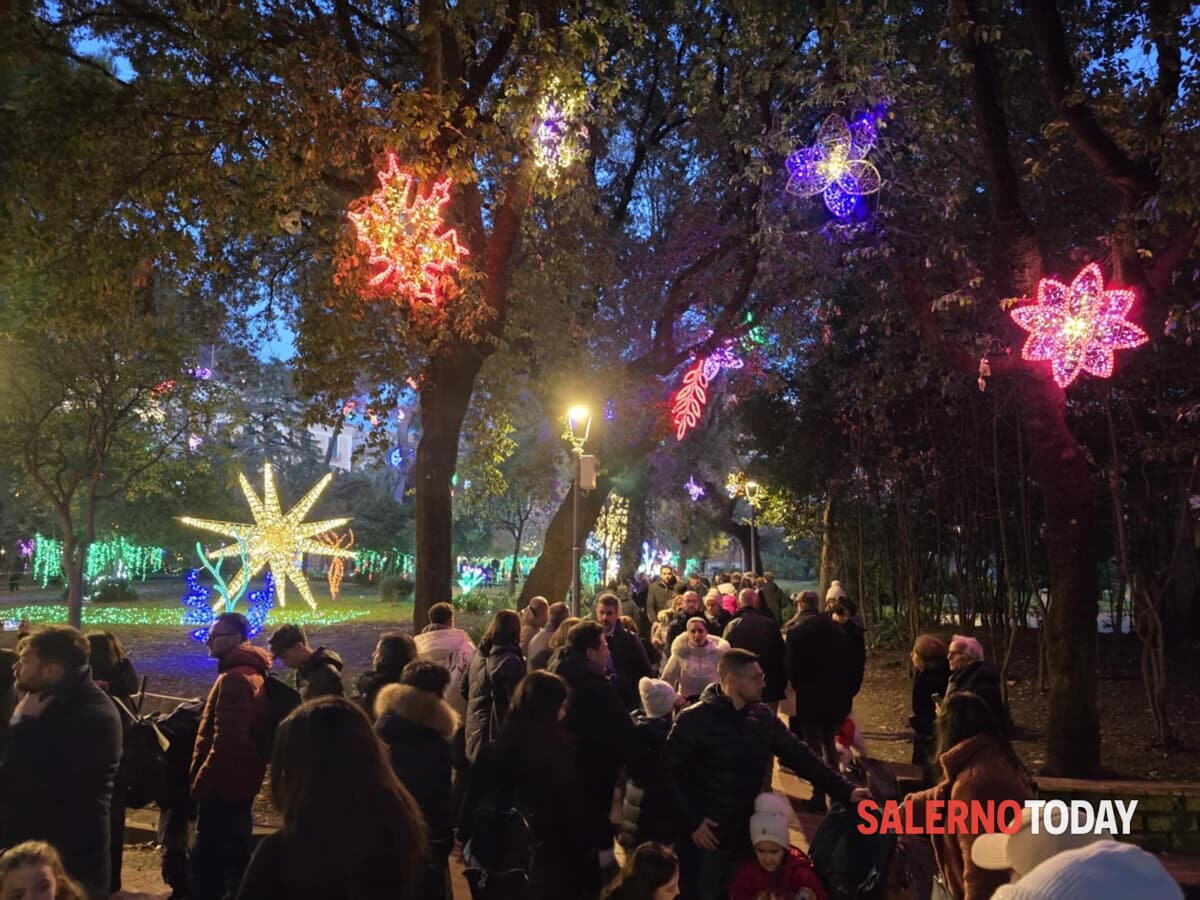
column 1077, row 327
column 402, row 232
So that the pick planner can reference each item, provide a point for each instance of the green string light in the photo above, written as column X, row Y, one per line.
column 164, row 617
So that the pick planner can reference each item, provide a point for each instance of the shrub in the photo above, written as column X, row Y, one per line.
column 395, row 589
column 111, row 590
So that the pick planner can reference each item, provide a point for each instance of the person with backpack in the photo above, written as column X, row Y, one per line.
column 440, row 642
column 230, row 758
column 491, row 679
column 318, row 672
column 522, row 821
column 351, row 831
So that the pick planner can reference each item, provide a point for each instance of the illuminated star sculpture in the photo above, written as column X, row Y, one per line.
column 275, row 538
column 835, row 165
column 415, row 260
column 1078, row 326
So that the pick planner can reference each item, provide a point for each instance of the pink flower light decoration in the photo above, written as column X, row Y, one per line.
column 1078, row 327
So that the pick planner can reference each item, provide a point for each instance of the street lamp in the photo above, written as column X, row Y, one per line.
column 579, row 422
column 752, row 499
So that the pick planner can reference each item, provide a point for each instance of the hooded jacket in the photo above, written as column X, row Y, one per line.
column 487, row 687
column 450, row 647
column 228, row 763
column 691, row 669
column 417, row 726
column 56, row 780
column 321, row 676
column 976, row 769
column 717, row 757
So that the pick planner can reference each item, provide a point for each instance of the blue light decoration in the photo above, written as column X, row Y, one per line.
column 470, row 577
column 395, row 457
column 694, row 489
column 835, row 165
column 259, row 603
column 198, row 606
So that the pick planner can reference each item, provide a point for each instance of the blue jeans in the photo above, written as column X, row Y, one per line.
column 223, row 845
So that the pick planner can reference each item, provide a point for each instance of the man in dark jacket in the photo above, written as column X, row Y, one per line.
column 717, row 755
column 819, row 663
column 661, row 594
column 753, row 630
column 8, row 694
column 969, row 671
column 692, row 607
column 318, row 672
column 64, row 746
column 773, row 597
column 807, row 603
column 598, row 721
column 845, row 613
column 628, row 663
column 229, row 761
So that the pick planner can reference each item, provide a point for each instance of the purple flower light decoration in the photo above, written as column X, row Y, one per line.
column 695, row 490
column 721, row 358
column 25, row 548
column 835, row 166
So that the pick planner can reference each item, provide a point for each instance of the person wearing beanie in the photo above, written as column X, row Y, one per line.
column 648, row 812
column 1106, row 870
column 835, row 593
column 777, row 870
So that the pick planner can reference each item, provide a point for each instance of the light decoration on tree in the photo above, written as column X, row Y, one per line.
column 558, row 143
column 258, row 605
column 337, row 566
column 402, row 231
column 655, row 557
column 835, row 165
column 395, row 457
column 471, row 577
column 198, row 610
column 694, row 488
column 25, row 548
column 125, row 559
column 274, row 539
column 688, row 402
column 609, row 533
column 195, row 442
column 47, row 558
column 1078, row 327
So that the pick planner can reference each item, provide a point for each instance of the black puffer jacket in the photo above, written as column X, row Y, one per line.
column 647, row 770
column 759, row 633
column 321, row 676
column 982, row 678
column 717, row 756
column 488, row 686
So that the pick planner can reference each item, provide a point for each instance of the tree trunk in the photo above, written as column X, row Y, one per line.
column 1063, row 474
column 516, row 557
column 72, row 566
column 445, row 394
column 833, row 494
column 635, row 529
column 551, row 575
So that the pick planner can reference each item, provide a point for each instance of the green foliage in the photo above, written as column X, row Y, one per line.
column 394, row 589
column 112, row 590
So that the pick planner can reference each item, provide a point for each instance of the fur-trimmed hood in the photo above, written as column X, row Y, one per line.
column 421, row 708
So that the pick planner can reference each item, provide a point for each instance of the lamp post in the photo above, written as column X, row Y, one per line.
column 752, row 499
column 579, row 421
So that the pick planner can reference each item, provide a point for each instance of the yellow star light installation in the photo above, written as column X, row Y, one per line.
column 274, row 539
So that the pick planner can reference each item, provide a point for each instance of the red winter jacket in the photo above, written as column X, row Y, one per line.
column 795, row 879
column 228, row 763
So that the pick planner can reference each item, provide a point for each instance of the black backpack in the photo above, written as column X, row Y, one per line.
column 282, row 698
column 143, row 768
column 851, row 865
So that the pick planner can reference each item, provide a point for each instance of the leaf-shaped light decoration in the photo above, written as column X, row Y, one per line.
column 835, row 165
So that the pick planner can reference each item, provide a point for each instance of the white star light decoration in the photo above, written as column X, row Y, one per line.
column 274, row 539
column 1078, row 326
column 835, row 165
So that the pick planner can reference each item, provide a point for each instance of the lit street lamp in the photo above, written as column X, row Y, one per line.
column 752, row 499
column 579, row 421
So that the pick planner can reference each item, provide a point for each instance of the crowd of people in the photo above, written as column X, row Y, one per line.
column 653, row 724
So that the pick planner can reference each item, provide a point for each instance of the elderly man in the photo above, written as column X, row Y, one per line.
column 969, row 671
column 533, row 620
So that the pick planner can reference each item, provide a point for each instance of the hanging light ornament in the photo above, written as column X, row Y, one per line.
column 835, row 165
column 1078, row 327
column 687, row 405
column 274, row 539
column 694, row 488
column 415, row 259
column 557, row 140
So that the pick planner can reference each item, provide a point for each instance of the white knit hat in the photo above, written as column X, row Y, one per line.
column 1023, row 850
column 1107, row 870
column 658, row 697
column 769, row 824
column 836, row 591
